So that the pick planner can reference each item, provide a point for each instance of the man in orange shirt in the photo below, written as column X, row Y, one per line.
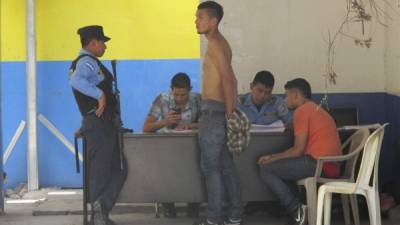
column 315, row 136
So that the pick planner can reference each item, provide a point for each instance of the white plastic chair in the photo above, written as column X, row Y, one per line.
column 355, row 144
column 369, row 164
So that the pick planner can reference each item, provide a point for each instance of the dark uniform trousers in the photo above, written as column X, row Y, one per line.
column 106, row 177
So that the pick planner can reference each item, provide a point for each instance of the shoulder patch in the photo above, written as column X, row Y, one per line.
column 90, row 66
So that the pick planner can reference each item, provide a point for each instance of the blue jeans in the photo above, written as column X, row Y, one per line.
column 280, row 176
column 217, row 162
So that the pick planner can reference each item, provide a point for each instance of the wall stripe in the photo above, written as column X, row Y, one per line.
column 140, row 82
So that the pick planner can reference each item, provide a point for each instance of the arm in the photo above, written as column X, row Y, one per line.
column 151, row 124
column 228, row 79
column 85, row 69
column 295, row 151
column 80, row 79
column 156, row 120
column 283, row 112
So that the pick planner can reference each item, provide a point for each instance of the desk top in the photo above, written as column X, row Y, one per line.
column 194, row 133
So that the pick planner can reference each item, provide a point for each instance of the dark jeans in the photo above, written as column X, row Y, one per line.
column 106, row 177
column 217, row 162
column 280, row 176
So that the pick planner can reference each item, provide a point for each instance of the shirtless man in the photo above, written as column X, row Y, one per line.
column 219, row 92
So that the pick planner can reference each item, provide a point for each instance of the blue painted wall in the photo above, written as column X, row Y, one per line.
column 140, row 81
column 392, row 155
column 1, row 158
column 376, row 108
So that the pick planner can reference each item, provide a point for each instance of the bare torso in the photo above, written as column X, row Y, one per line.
column 212, row 81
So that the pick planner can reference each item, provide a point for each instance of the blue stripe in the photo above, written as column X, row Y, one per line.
column 140, row 81
column 1, row 155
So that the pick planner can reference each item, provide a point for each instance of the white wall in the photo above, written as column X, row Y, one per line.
column 392, row 48
column 288, row 37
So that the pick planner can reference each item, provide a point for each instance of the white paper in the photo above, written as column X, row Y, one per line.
column 277, row 126
column 173, row 131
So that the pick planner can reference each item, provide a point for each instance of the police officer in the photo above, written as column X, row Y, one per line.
column 259, row 105
column 92, row 87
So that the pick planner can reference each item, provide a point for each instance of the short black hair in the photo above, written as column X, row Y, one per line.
column 300, row 84
column 181, row 80
column 214, row 9
column 85, row 41
column 265, row 78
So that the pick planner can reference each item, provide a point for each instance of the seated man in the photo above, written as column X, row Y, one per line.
column 260, row 106
column 263, row 108
column 177, row 109
column 315, row 136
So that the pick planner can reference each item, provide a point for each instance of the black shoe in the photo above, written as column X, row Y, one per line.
column 300, row 216
column 229, row 221
column 110, row 222
column 205, row 222
column 99, row 217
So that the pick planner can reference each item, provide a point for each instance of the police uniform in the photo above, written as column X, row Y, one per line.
column 272, row 110
column 90, row 79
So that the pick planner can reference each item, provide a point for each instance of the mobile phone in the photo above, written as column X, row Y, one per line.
column 177, row 110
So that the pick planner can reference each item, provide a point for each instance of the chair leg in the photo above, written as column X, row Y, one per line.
column 373, row 208
column 354, row 209
column 311, row 193
column 346, row 209
column 320, row 205
column 327, row 208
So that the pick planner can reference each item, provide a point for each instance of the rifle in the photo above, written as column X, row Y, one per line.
column 121, row 129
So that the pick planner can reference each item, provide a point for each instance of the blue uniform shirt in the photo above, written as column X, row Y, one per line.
column 272, row 110
column 87, row 76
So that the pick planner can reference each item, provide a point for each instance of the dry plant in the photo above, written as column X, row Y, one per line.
column 365, row 13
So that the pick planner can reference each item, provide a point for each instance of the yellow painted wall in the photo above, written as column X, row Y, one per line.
column 140, row 29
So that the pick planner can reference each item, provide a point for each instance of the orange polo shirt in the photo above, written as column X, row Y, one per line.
column 323, row 138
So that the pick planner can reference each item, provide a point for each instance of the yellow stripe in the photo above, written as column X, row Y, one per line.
column 140, row 29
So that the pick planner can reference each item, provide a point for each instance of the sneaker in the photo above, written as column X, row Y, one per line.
column 109, row 222
column 230, row 221
column 205, row 222
column 98, row 215
column 300, row 216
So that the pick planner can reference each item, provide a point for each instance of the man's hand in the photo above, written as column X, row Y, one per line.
column 78, row 133
column 102, row 105
column 172, row 118
column 265, row 159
